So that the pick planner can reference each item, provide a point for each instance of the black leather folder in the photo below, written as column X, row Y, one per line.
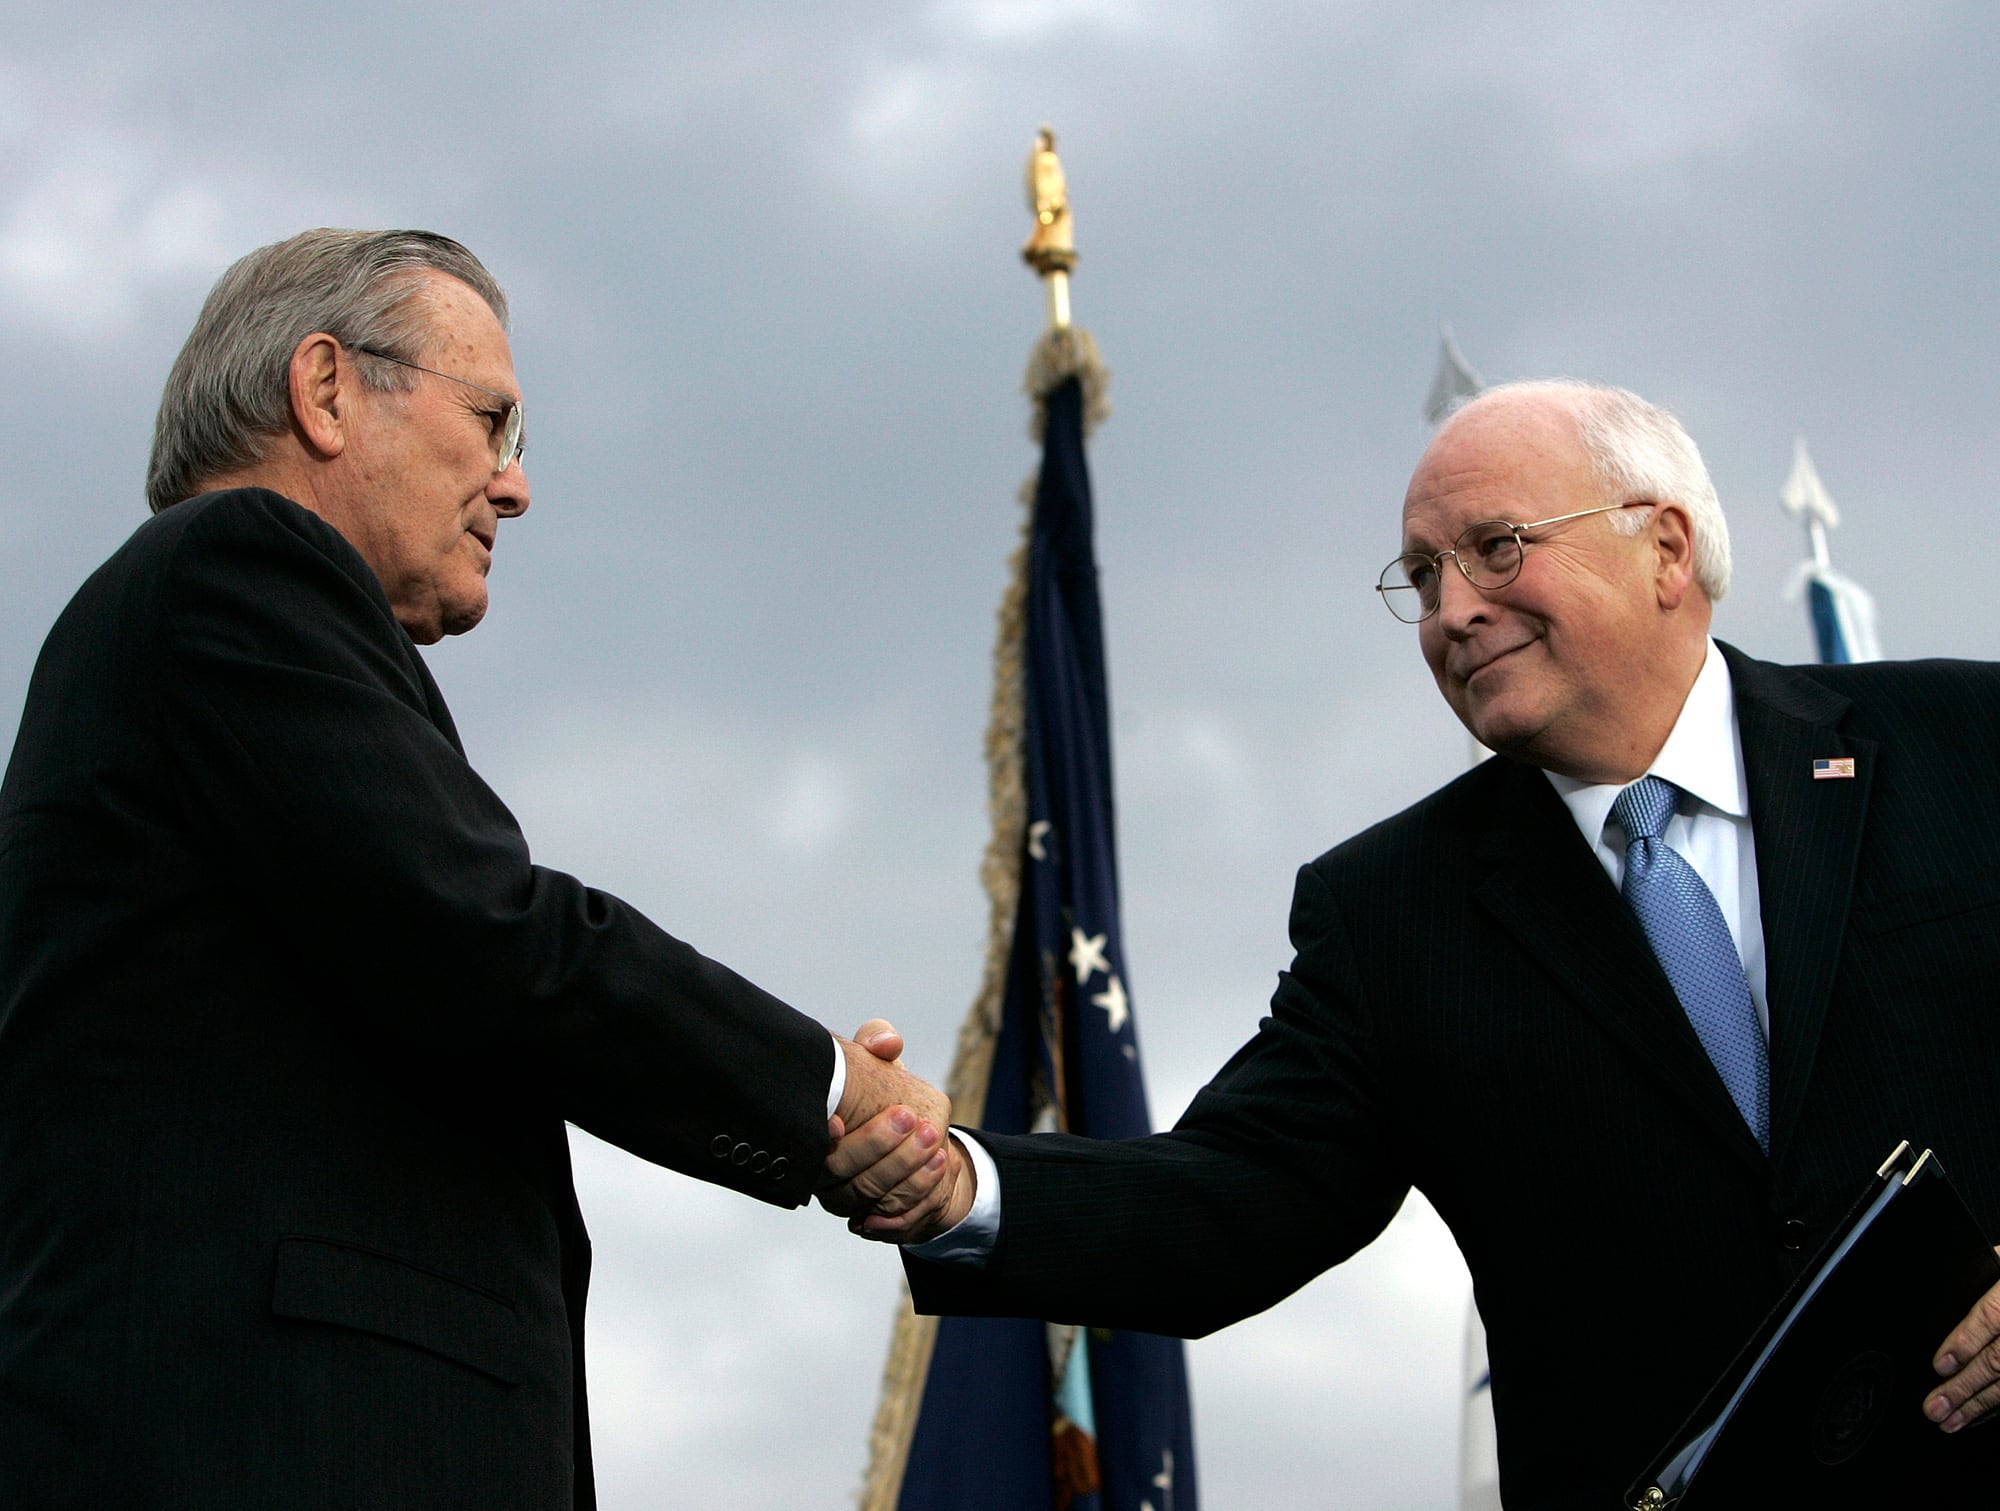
column 1823, row 1407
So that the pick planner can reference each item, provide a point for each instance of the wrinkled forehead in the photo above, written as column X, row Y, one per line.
column 1516, row 462
column 464, row 337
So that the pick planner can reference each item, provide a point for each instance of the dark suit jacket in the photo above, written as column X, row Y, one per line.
column 289, row 1029
column 1474, row 1012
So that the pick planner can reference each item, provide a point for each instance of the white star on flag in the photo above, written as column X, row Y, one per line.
column 1112, row 1000
column 1036, row 832
column 1087, row 955
column 1164, row 1480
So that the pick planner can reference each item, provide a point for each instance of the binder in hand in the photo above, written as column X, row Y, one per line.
column 1823, row 1406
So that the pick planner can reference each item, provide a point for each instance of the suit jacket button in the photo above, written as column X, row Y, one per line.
column 759, row 1161
column 779, row 1166
column 1791, row 1235
column 720, row 1146
column 741, row 1154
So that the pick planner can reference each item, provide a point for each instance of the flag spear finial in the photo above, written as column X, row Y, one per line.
column 1455, row 380
column 1806, row 498
column 1051, row 247
column 1843, row 615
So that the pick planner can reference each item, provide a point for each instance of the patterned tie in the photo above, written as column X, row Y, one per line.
column 1687, row 932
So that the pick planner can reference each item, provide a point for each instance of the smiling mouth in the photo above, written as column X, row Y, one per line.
column 1493, row 660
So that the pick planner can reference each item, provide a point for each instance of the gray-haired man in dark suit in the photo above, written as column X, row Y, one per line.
column 289, row 1023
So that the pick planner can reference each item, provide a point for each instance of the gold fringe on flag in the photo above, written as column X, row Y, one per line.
column 1063, row 352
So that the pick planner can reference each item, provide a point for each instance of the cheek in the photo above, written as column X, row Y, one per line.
column 1430, row 641
column 454, row 533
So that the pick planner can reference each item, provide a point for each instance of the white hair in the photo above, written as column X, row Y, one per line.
column 1638, row 451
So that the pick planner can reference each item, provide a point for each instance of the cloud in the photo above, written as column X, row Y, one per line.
column 908, row 109
column 1630, row 89
column 94, row 223
column 717, row 1326
column 1032, row 23
column 811, row 805
column 624, row 787
column 104, row 207
column 1195, row 772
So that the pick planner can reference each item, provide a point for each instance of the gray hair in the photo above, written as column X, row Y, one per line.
column 230, row 389
column 1638, row 451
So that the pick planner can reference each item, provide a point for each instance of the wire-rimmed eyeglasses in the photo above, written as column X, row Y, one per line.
column 511, row 432
column 1489, row 552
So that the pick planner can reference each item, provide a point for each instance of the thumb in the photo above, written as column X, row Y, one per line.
column 879, row 1037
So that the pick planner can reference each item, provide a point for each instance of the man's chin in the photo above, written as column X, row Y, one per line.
column 458, row 614
column 458, row 623
column 450, row 619
column 1500, row 729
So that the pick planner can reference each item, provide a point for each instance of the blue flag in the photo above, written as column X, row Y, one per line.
column 1843, row 619
column 1019, row 1414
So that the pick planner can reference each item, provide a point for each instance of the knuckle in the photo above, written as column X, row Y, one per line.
column 866, row 1193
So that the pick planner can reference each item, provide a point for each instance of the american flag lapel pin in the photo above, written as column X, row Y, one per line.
column 1835, row 766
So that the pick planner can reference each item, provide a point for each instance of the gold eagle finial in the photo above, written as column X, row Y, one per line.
column 1051, row 245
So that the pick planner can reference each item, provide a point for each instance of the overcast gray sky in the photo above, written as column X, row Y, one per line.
column 771, row 325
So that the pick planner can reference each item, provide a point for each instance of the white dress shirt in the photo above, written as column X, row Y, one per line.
column 1703, row 756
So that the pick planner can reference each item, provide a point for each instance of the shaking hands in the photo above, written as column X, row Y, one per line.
column 894, row 1171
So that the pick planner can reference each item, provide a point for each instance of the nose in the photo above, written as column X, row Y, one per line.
column 1460, row 604
column 508, row 491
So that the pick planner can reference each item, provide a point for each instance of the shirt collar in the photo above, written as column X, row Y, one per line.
column 1703, row 756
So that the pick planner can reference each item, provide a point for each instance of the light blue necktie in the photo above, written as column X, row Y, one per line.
column 1688, row 935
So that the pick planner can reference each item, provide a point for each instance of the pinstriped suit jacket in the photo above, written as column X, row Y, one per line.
column 289, row 1029
column 1473, row 1011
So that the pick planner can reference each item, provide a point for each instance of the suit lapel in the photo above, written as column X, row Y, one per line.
column 1808, row 836
column 1543, row 884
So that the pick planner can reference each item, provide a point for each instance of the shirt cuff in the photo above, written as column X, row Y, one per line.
column 972, row 1240
column 837, row 1087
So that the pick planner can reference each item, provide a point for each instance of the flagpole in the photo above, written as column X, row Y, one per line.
column 1456, row 383
column 1064, row 351
column 1805, row 497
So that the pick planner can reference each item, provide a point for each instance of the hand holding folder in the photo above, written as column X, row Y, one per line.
column 1823, row 1406
column 1970, row 1357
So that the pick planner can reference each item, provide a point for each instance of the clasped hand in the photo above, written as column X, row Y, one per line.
column 894, row 1170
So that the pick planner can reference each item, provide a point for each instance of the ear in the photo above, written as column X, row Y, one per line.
column 319, row 390
column 1672, row 534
